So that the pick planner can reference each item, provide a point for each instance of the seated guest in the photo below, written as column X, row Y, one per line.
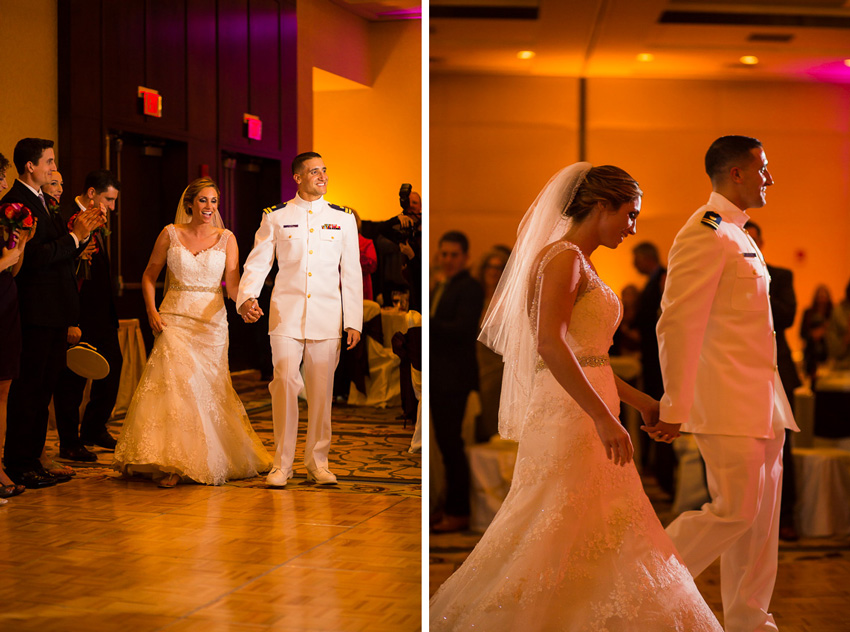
column 99, row 328
column 813, row 330
column 838, row 333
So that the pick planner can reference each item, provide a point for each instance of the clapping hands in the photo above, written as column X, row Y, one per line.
column 91, row 219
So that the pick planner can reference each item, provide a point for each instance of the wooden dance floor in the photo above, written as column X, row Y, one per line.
column 812, row 586
column 102, row 554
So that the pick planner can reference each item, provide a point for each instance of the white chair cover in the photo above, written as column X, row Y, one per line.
column 382, row 385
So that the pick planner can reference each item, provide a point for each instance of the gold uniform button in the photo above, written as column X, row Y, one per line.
column 311, row 252
column 311, row 274
column 290, row 236
column 332, row 236
column 311, row 212
column 311, row 230
column 308, row 296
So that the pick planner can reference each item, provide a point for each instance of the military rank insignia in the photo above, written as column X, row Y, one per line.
column 344, row 209
column 272, row 209
column 330, row 226
column 712, row 220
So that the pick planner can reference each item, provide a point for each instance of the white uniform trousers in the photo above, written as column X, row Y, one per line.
column 740, row 525
column 320, row 359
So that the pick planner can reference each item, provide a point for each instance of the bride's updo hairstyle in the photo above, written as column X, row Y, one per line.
column 607, row 183
column 194, row 188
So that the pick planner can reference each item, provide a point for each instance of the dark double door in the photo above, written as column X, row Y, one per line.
column 153, row 176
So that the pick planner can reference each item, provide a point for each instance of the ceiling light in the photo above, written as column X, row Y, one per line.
column 645, row 57
column 525, row 54
column 749, row 60
column 847, row 62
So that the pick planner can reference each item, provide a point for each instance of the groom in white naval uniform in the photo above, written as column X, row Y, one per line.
column 718, row 359
column 317, row 292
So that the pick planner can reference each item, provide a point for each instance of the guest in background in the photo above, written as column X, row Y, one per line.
column 838, row 333
column 99, row 327
column 456, row 305
column 813, row 331
column 627, row 337
column 53, row 195
column 55, row 187
column 10, row 324
column 368, row 259
column 398, row 243
column 490, row 363
column 49, row 304
column 345, row 368
column 783, row 305
column 659, row 458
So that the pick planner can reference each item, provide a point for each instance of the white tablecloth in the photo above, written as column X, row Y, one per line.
column 823, row 491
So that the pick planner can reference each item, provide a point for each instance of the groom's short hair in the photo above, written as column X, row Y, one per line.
column 300, row 159
column 726, row 151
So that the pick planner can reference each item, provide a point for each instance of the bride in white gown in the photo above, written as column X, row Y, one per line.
column 576, row 546
column 185, row 419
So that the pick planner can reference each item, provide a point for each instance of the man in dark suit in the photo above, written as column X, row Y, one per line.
column 99, row 326
column 49, row 304
column 783, row 304
column 647, row 261
column 456, row 305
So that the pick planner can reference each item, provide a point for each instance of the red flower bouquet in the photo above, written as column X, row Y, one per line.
column 14, row 215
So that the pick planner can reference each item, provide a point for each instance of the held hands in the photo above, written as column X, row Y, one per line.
column 661, row 431
column 615, row 438
column 353, row 338
column 250, row 311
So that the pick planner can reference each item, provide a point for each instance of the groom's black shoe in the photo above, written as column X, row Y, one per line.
column 31, row 479
column 103, row 440
column 77, row 453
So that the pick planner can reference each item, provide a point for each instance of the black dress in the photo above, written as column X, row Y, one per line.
column 10, row 326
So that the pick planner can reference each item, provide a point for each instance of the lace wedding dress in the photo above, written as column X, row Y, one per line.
column 185, row 417
column 576, row 546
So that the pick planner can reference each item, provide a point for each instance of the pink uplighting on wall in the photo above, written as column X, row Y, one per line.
column 831, row 72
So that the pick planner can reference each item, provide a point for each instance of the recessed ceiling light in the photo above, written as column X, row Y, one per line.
column 749, row 60
column 847, row 62
column 645, row 57
column 525, row 54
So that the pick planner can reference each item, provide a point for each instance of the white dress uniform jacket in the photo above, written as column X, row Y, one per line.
column 715, row 335
column 318, row 290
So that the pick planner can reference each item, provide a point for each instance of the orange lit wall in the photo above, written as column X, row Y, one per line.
column 366, row 105
column 28, row 73
column 495, row 141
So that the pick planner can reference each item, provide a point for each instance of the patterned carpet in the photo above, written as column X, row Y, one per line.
column 369, row 452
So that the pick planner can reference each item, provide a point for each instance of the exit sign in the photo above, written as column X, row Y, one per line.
column 253, row 127
column 150, row 102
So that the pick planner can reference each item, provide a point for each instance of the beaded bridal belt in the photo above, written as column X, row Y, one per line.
column 178, row 287
column 600, row 360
